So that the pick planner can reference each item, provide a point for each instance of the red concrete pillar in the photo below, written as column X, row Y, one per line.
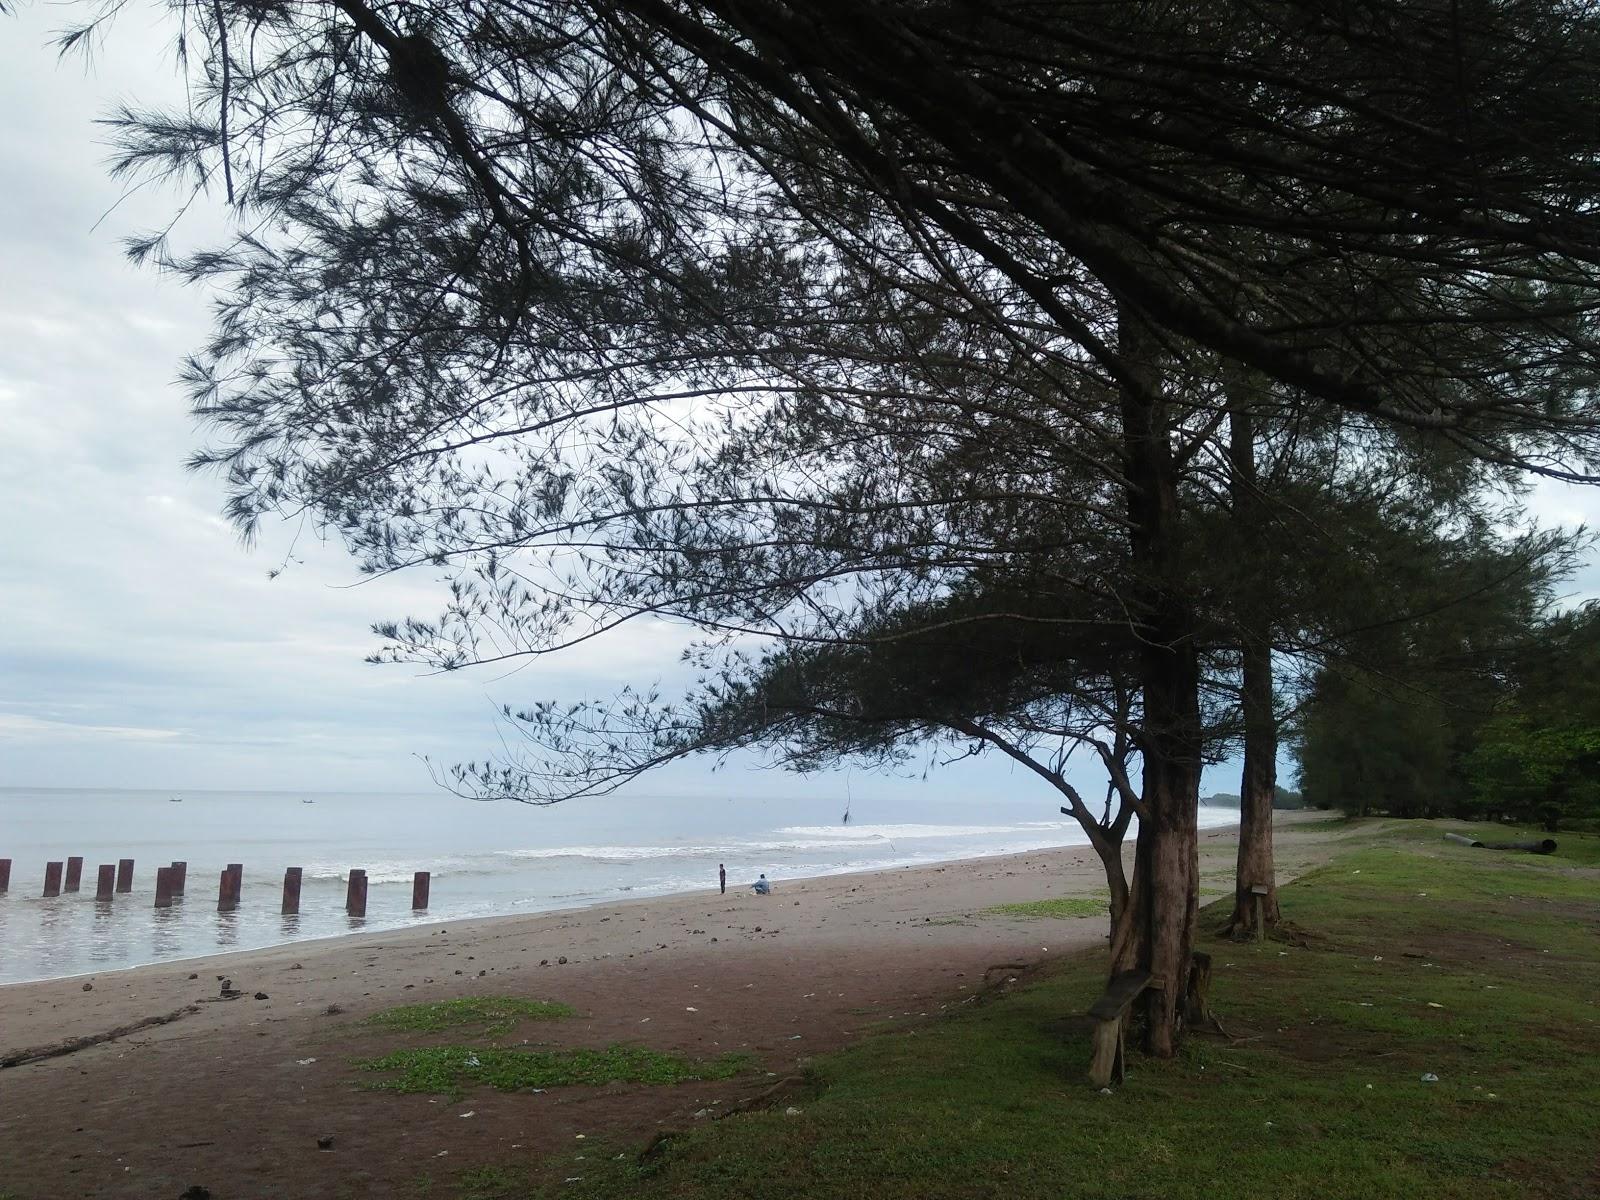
column 74, row 875
column 52, row 879
column 107, row 881
column 164, row 887
column 5, row 876
column 125, row 875
column 419, row 889
column 355, row 895
column 180, row 878
column 291, row 890
column 229, row 888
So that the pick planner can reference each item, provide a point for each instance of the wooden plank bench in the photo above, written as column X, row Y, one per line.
column 1110, row 1014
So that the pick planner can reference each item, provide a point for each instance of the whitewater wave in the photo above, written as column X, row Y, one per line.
column 910, row 832
column 396, row 872
column 626, row 854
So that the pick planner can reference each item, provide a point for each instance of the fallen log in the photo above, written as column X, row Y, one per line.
column 1542, row 846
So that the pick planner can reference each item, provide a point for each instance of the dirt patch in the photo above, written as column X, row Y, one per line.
column 1322, row 1042
column 240, row 1111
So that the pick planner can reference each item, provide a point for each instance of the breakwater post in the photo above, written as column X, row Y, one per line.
column 229, row 887
column 180, row 878
column 355, row 894
column 5, row 876
column 163, row 887
column 106, row 882
column 419, row 890
column 74, row 875
column 52, row 879
column 125, row 875
column 291, row 891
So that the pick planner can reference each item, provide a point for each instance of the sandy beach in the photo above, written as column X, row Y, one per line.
column 233, row 1095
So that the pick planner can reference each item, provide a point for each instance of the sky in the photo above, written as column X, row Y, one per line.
column 141, row 645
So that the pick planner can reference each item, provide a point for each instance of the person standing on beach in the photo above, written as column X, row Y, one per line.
column 722, row 878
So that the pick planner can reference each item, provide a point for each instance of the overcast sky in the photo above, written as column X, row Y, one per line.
column 140, row 644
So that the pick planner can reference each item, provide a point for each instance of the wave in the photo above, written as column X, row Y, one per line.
column 909, row 832
column 804, row 840
column 626, row 854
column 395, row 872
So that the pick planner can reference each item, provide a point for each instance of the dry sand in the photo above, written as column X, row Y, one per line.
column 233, row 1094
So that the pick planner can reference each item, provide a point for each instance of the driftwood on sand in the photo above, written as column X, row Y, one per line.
column 16, row 1058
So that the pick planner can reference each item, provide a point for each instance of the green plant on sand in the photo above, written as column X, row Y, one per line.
column 447, row 1070
column 499, row 1013
column 1066, row 906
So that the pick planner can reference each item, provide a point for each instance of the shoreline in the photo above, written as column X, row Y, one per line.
column 154, row 1081
column 418, row 930
column 533, row 914
column 839, row 912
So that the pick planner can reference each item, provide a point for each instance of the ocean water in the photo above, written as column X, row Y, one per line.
column 486, row 859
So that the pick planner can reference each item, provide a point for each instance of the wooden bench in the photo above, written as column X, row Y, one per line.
column 1110, row 1014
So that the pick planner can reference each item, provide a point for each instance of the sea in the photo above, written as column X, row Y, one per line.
column 486, row 859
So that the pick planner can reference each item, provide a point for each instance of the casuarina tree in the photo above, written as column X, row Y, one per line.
column 512, row 285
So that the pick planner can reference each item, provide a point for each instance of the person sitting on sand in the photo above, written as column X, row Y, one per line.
column 762, row 887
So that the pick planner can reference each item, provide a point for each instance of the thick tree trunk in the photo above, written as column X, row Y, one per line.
column 1258, row 784
column 1165, row 890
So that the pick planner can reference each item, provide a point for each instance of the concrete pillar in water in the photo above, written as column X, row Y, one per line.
column 229, row 887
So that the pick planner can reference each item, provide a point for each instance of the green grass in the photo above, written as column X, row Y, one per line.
column 447, row 1070
column 1479, row 969
column 497, row 1013
column 1071, row 906
column 492, row 1183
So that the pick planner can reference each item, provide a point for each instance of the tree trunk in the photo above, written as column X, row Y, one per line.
column 1165, row 891
column 1125, row 916
column 1258, row 786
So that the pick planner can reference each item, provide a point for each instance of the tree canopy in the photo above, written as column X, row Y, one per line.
column 794, row 322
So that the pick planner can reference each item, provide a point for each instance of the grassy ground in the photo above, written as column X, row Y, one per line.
column 1408, row 957
column 492, row 1014
column 1066, row 906
column 448, row 1070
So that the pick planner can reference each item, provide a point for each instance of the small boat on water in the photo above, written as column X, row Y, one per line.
column 308, row 802
column 175, row 799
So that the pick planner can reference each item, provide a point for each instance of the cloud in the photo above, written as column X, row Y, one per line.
column 15, row 726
